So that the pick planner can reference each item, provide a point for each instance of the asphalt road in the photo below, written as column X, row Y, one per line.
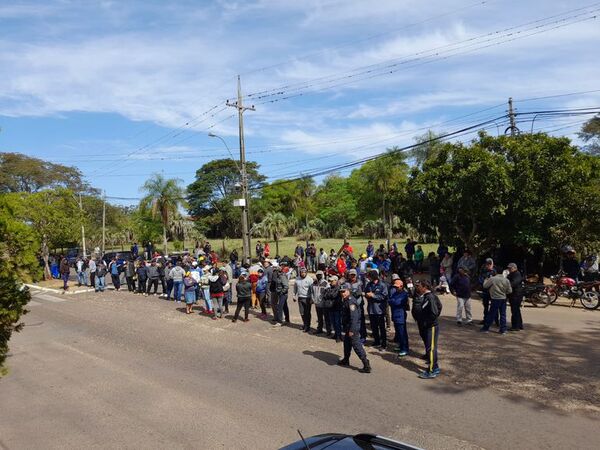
column 118, row 370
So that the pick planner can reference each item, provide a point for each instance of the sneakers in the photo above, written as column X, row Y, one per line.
column 366, row 368
column 343, row 363
column 402, row 354
column 426, row 375
column 484, row 330
column 277, row 324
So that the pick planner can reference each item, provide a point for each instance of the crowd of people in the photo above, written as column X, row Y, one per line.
column 379, row 287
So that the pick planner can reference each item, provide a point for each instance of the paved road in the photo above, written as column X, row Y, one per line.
column 119, row 370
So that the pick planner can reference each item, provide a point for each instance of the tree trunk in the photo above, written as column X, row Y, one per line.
column 276, row 244
column 164, row 240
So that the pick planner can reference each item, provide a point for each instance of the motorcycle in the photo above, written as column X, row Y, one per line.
column 536, row 294
column 564, row 286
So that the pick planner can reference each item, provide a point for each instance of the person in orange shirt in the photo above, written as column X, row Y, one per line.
column 253, row 278
column 341, row 265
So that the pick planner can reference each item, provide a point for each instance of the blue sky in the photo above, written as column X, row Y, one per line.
column 109, row 86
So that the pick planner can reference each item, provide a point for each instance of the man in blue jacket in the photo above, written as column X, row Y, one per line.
column 376, row 294
column 398, row 300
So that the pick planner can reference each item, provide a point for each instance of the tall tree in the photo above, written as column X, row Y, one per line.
column 590, row 134
column 163, row 197
column 22, row 173
column 276, row 225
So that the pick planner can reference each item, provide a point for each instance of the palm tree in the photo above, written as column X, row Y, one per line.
column 164, row 197
column 275, row 224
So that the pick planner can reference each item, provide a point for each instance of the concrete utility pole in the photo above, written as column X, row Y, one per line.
column 82, row 227
column 511, row 117
column 246, row 244
column 103, row 222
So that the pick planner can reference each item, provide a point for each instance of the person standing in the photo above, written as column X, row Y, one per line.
column 79, row 265
column 322, row 260
column 100, row 276
column 318, row 287
column 243, row 289
column 333, row 303
column 516, row 297
column 262, row 288
column 446, row 266
column 168, row 280
column 190, row 285
column 113, row 268
column 205, row 287
column 217, row 292
column 65, row 272
column 129, row 275
column 153, row 277
column 426, row 309
column 398, row 301
column 142, row 277
column 488, row 270
column 302, row 290
column 356, row 290
column 281, row 293
column 351, row 329
column 92, row 268
column 419, row 257
column 162, row 276
column 499, row 288
column 376, row 294
column 177, row 274
column 460, row 285
column 467, row 262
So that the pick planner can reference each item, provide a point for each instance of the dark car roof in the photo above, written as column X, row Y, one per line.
column 336, row 441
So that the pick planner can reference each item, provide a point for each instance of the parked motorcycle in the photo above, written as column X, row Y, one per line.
column 568, row 287
column 536, row 294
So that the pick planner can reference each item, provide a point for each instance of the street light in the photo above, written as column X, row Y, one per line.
column 243, row 202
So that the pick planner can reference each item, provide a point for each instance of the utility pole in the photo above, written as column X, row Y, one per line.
column 246, row 244
column 82, row 227
column 511, row 117
column 103, row 221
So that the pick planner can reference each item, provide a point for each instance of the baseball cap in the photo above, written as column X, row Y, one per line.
column 320, row 272
column 395, row 277
column 302, row 269
column 512, row 266
column 194, row 263
column 489, row 261
column 261, row 270
column 333, row 278
column 364, row 255
column 352, row 272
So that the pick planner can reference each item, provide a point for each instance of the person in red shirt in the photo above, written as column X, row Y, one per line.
column 346, row 248
column 267, row 250
column 341, row 265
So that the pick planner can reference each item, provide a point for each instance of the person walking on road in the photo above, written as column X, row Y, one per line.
column 243, row 289
column 460, row 285
column 302, row 291
column 426, row 309
column 499, row 289
column 516, row 297
column 351, row 329
column 65, row 272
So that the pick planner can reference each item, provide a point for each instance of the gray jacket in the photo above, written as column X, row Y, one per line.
column 177, row 273
column 316, row 293
column 498, row 287
column 303, row 287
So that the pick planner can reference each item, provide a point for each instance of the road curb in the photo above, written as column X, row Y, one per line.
column 57, row 291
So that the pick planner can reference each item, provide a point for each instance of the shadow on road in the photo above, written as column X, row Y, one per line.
column 330, row 359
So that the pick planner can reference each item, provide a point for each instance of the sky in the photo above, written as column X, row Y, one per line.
column 123, row 90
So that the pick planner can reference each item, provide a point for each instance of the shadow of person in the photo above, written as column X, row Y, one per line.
column 330, row 359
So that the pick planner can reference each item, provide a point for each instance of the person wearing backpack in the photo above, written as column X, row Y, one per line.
column 426, row 309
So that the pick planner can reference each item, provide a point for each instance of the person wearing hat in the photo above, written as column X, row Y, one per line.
column 244, row 295
column 332, row 300
column 302, row 294
column 356, row 290
column 499, row 288
column 376, row 293
column 316, row 295
column 351, row 328
column 516, row 297
column 426, row 310
column 487, row 271
column 460, row 286
column 281, row 294
column 570, row 266
column 217, row 292
column 261, row 289
column 398, row 301
column 189, row 284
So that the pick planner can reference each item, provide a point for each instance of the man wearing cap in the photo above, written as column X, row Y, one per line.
column 499, row 288
column 516, row 297
column 487, row 271
column 302, row 294
column 351, row 328
column 398, row 300
column 376, row 294
column 281, row 293
column 356, row 290
column 333, row 302
column 319, row 285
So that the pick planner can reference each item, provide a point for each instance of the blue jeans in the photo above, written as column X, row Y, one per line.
column 207, row 300
column 281, row 306
column 82, row 278
column 100, row 283
column 401, row 337
column 497, row 305
column 177, row 290
column 336, row 322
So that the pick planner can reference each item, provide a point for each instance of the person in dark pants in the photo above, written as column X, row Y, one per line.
column 488, row 270
column 113, row 268
column 333, row 303
column 499, row 288
column 356, row 290
column 142, row 276
column 153, row 277
column 398, row 300
column 129, row 275
column 302, row 294
column 376, row 294
column 426, row 309
column 516, row 297
column 281, row 294
column 243, row 289
column 65, row 271
column 351, row 328
column 318, row 288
